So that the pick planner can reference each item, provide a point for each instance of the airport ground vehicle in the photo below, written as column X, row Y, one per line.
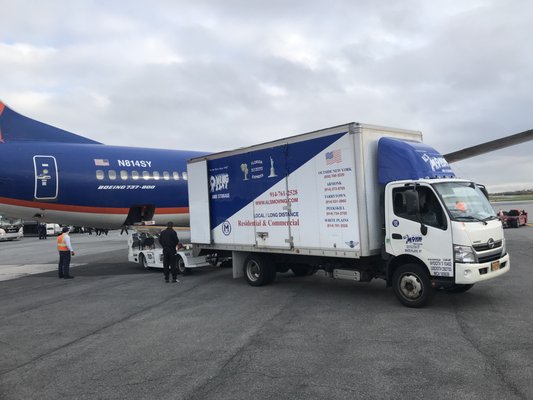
column 357, row 201
column 513, row 218
column 11, row 228
column 53, row 229
column 144, row 248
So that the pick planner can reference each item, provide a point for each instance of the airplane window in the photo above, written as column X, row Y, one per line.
column 123, row 175
column 184, row 174
column 156, row 175
column 99, row 174
column 112, row 174
column 135, row 175
column 146, row 175
column 176, row 175
column 166, row 175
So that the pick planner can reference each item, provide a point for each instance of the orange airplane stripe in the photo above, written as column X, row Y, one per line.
column 86, row 209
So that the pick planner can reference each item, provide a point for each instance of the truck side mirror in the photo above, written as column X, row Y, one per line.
column 412, row 202
column 483, row 190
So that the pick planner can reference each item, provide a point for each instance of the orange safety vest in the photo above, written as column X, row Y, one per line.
column 61, row 245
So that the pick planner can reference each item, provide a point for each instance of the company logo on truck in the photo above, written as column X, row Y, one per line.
column 226, row 228
column 412, row 239
column 413, row 244
column 218, row 182
column 436, row 163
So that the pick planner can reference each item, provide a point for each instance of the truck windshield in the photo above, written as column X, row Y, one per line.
column 465, row 201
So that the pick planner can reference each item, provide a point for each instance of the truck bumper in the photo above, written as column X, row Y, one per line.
column 467, row 274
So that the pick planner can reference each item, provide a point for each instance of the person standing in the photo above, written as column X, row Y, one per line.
column 65, row 252
column 168, row 239
column 42, row 231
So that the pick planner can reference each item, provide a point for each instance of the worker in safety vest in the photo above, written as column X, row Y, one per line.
column 65, row 251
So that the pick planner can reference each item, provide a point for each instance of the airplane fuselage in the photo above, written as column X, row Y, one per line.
column 93, row 184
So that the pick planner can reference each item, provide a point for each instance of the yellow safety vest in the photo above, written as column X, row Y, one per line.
column 61, row 245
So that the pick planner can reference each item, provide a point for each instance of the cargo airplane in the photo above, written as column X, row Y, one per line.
column 51, row 175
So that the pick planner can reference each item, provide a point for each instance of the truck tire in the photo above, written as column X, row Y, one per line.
column 181, row 266
column 143, row 261
column 258, row 270
column 459, row 288
column 412, row 286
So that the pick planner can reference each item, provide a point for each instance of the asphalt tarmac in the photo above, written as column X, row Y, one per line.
column 117, row 331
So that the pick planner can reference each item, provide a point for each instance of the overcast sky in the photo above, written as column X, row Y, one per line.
column 214, row 75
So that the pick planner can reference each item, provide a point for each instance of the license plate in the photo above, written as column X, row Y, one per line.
column 494, row 266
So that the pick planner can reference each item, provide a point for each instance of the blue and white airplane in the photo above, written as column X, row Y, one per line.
column 51, row 175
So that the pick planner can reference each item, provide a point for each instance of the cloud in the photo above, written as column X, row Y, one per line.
column 210, row 75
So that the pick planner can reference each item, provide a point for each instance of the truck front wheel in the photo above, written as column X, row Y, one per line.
column 412, row 286
column 258, row 270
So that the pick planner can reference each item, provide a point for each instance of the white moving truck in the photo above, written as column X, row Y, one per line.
column 357, row 201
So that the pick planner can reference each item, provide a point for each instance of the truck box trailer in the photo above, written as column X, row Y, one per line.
column 357, row 201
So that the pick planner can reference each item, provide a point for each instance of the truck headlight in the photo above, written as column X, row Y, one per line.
column 463, row 254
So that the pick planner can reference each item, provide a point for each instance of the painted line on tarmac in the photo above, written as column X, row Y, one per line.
column 13, row 271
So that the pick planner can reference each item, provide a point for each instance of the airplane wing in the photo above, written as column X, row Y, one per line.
column 489, row 146
column 16, row 127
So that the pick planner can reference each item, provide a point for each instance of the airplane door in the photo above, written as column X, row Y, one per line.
column 46, row 179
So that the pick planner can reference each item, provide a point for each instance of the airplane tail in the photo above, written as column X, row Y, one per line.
column 15, row 127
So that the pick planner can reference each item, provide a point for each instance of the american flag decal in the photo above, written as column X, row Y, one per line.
column 99, row 162
column 333, row 157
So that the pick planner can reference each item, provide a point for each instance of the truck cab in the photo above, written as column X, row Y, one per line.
column 439, row 230
column 447, row 225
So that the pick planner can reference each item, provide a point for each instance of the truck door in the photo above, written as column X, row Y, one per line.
column 46, row 179
column 405, row 231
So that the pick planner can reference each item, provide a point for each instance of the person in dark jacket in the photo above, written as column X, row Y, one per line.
column 168, row 239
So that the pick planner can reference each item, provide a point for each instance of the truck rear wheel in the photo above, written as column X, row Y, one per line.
column 412, row 286
column 258, row 270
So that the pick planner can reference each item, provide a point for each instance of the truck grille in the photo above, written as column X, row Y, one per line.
column 485, row 246
column 489, row 258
